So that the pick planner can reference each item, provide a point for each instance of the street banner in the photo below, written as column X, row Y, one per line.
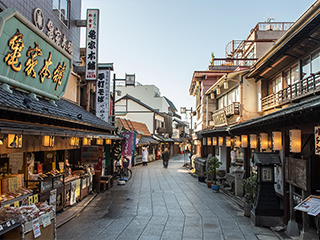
column 127, row 147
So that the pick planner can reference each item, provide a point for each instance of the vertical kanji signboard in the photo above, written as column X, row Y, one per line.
column 103, row 94
column 92, row 44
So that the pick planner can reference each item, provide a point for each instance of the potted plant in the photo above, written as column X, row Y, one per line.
column 213, row 165
column 249, row 185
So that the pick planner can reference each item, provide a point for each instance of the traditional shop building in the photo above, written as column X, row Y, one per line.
column 44, row 133
column 288, row 76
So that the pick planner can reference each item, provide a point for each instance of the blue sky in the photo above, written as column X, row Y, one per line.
column 164, row 41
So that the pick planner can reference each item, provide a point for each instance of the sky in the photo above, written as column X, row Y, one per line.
column 164, row 41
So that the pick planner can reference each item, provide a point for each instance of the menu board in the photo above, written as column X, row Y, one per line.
column 310, row 205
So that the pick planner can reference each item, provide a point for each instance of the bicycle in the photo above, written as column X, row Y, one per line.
column 122, row 172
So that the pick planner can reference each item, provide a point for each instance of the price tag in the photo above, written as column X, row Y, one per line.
column 1, row 228
column 35, row 198
column 8, row 224
column 12, row 221
column 8, row 205
column 46, row 220
column 16, row 204
column 30, row 200
column 36, row 228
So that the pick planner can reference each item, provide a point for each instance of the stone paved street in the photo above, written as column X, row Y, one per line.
column 160, row 203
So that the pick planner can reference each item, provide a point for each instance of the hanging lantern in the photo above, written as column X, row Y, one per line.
column 295, row 140
column 74, row 141
column 209, row 141
column 214, row 141
column 218, row 90
column 220, row 141
column 48, row 141
column 237, row 141
column 228, row 141
column 244, row 141
column 253, row 141
column 264, row 142
column 108, row 141
column 212, row 95
column 225, row 85
column 99, row 141
column 277, row 141
column 86, row 141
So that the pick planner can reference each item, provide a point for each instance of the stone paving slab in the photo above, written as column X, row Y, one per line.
column 161, row 204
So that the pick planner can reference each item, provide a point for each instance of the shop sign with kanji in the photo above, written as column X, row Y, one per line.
column 102, row 94
column 31, row 61
column 92, row 43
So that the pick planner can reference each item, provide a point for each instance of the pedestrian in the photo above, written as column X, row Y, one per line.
column 165, row 157
column 144, row 156
column 233, row 155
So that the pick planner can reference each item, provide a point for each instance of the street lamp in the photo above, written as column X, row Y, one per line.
column 130, row 81
column 184, row 110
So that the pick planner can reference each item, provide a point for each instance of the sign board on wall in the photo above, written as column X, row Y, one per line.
column 30, row 60
column 103, row 95
column 92, row 44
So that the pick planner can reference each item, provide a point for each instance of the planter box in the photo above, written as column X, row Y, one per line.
column 215, row 188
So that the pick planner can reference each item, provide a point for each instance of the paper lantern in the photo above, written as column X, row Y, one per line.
column 237, row 141
column 214, row 141
column 295, row 140
column 108, row 141
column 14, row 141
column 74, row 141
column 86, row 141
column 220, row 141
column 225, row 85
column 253, row 141
column 264, row 142
column 48, row 141
column 209, row 141
column 244, row 141
column 228, row 141
column 218, row 90
column 99, row 141
column 277, row 141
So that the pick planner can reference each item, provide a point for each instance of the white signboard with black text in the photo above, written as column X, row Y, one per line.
column 92, row 43
column 103, row 95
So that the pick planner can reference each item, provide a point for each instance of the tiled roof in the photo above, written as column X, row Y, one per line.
column 170, row 104
column 135, row 126
column 64, row 111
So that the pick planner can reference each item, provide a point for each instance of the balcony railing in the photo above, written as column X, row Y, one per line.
column 231, row 62
column 299, row 89
column 230, row 110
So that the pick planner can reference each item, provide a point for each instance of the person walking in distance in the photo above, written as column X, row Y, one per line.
column 165, row 157
column 144, row 156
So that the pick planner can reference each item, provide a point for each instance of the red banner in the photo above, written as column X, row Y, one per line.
column 127, row 147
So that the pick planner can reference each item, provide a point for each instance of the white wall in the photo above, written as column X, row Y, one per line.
column 146, row 94
column 250, row 100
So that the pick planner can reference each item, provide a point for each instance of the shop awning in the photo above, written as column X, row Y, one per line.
column 41, row 130
column 147, row 140
column 161, row 138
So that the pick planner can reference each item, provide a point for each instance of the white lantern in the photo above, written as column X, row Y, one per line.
column 244, row 141
column 214, row 141
column 295, row 140
column 253, row 141
column 264, row 142
column 237, row 141
column 228, row 141
column 277, row 141
column 220, row 141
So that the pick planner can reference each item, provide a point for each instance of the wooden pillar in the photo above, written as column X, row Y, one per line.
column 228, row 158
column 246, row 161
column 88, row 97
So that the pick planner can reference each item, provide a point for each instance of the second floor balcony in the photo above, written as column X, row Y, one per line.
column 300, row 89
column 219, row 115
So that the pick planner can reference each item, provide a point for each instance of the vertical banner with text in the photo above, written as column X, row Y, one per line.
column 103, row 95
column 127, row 146
column 92, row 33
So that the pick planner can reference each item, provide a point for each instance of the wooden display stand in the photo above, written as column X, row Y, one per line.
column 25, row 231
